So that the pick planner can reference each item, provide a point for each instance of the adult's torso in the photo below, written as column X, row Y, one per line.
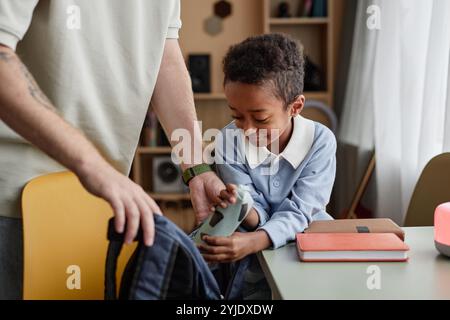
column 100, row 77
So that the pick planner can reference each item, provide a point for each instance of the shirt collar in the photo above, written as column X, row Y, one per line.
column 296, row 150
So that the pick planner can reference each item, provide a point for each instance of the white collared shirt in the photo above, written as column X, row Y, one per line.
column 295, row 152
column 289, row 190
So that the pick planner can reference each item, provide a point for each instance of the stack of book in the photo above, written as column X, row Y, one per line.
column 152, row 133
column 314, row 8
column 352, row 240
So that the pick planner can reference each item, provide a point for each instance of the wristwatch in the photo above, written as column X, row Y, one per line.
column 192, row 172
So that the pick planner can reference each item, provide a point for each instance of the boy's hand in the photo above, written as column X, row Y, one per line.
column 227, row 249
column 228, row 195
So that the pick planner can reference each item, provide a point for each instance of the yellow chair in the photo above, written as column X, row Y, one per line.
column 432, row 189
column 65, row 240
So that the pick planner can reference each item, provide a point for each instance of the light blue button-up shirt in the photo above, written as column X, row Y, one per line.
column 289, row 190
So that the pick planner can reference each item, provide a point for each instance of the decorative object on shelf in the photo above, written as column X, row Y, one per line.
column 319, row 8
column 162, row 140
column 323, row 112
column 314, row 78
column 146, row 136
column 223, row 9
column 150, row 130
column 167, row 176
column 213, row 25
column 306, row 10
column 199, row 69
column 283, row 10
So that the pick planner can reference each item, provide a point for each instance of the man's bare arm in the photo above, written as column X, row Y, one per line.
column 173, row 102
column 26, row 109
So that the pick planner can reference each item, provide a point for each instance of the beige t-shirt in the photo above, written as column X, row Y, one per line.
column 98, row 62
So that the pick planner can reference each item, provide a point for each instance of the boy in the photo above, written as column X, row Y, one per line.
column 287, row 162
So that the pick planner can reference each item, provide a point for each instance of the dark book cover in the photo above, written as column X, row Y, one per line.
column 319, row 8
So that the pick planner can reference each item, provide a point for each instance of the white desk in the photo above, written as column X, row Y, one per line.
column 425, row 276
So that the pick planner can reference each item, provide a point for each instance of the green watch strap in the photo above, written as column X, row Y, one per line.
column 190, row 173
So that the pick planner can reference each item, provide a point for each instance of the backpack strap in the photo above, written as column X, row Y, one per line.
column 114, row 248
column 115, row 245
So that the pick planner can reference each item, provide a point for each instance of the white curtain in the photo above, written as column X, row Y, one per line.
column 398, row 96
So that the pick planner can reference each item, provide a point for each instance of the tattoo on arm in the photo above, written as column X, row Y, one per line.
column 33, row 87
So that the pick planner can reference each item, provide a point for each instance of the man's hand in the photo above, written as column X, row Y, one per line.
column 131, row 204
column 205, row 194
column 228, row 249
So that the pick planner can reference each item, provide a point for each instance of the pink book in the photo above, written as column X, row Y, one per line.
column 335, row 247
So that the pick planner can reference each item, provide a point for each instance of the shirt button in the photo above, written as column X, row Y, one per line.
column 276, row 183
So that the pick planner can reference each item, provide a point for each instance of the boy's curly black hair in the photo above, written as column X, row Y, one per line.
column 274, row 59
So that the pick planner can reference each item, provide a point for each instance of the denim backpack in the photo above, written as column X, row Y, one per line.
column 172, row 268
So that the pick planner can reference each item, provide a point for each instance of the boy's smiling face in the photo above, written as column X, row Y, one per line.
column 256, row 107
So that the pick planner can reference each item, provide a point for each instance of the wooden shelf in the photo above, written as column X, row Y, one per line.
column 170, row 196
column 317, row 35
column 298, row 21
column 319, row 95
column 154, row 150
column 209, row 96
